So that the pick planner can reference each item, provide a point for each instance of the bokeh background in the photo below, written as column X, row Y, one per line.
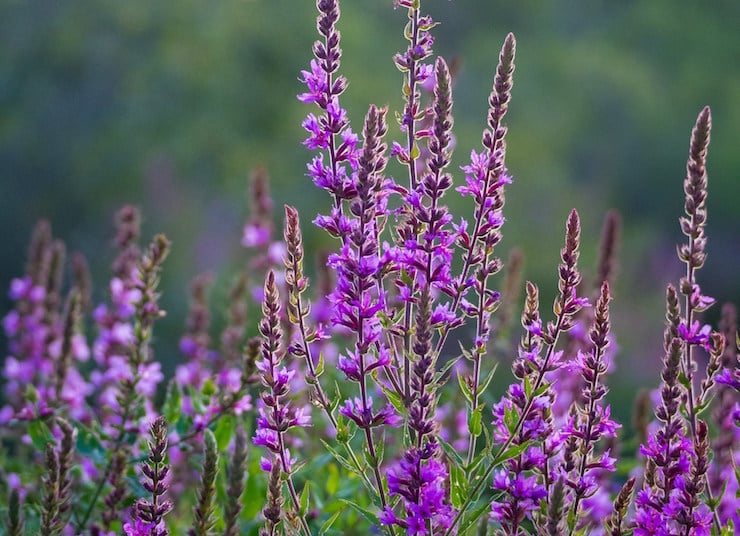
column 169, row 104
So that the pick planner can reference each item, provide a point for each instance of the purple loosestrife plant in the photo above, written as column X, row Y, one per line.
column 485, row 178
column 406, row 273
column 676, row 497
column 417, row 72
column 419, row 477
column 131, row 399
column 148, row 514
column 523, row 419
column 276, row 413
column 727, row 441
column 44, row 338
column 591, row 422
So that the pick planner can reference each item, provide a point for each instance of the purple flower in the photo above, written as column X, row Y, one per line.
column 696, row 334
column 364, row 416
column 138, row 528
column 419, row 478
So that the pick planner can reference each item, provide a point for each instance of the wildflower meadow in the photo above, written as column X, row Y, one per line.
column 365, row 399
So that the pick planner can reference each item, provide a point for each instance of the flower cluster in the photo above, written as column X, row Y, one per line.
column 398, row 447
column 44, row 335
column 276, row 414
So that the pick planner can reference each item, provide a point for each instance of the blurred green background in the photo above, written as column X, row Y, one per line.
column 169, row 104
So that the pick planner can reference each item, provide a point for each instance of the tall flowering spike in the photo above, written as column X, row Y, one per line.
column 485, row 178
column 511, row 291
column 67, row 446
column 554, row 526
column 15, row 518
column 194, row 344
column 567, row 304
column 592, row 422
column 442, row 118
column 273, row 510
column 610, row 237
column 204, row 509
column 270, row 324
column 298, row 309
column 695, row 187
column 236, row 473
column 727, row 440
column 258, row 230
column 137, row 377
column 668, row 451
column 503, row 82
column 329, row 132
column 422, row 387
column 691, row 514
column 50, row 507
column 64, row 360
column 276, row 414
column 420, row 479
column 328, row 52
column 232, row 337
column 615, row 525
column 55, row 275
column 148, row 280
column 58, row 482
column 82, row 279
column 569, row 275
column 416, row 74
column 150, row 512
column 128, row 227
column 294, row 253
column 39, row 245
column 372, row 160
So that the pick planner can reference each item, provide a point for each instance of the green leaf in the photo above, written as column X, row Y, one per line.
column 209, row 388
column 451, row 452
column 332, row 481
column 225, row 430
column 511, row 452
column 89, row 444
column 475, row 421
column 541, row 389
column 337, row 399
column 415, row 152
column 447, row 366
column 380, row 448
column 320, row 365
column 40, row 434
column 364, row 512
column 196, row 400
column 305, row 498
column 371, row 462
column 31, row 394
column 464, row 388
column 458, row 486
column 172, row 403
column 684, row 380
column 487, row 381
column 473, row 517
column 184, row 425
column 465, row 353
column 395, row 399
column 511, row 419
column 527, row 387
column 328, row 523
column 344, row 462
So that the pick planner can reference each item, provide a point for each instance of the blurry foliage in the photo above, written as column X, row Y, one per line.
column 169, row 104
